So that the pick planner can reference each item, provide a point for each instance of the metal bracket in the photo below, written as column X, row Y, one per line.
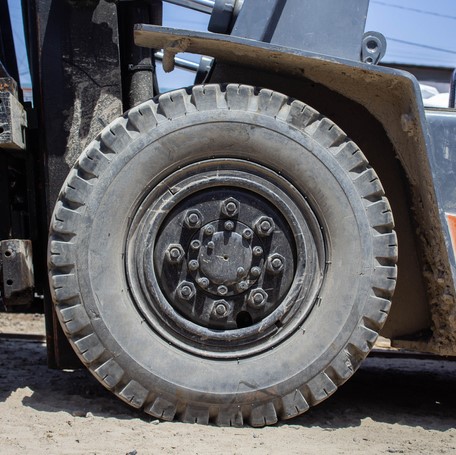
column 373, row 47
column 18, row 279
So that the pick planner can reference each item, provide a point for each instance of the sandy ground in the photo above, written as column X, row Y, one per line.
column 390, row 406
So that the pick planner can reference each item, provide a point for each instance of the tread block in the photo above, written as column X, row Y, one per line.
column 263, row 415
column 328, row 133
column 65, row 287
column 229, row 418
column 175, row 104
column 110, row 373
column 64, row 219
column 92, row 161
column 350, row 156
column 293, row 404
column 238, row 97
column 62, row 253
column 76, row 189
column 320, row 387
column 162, row 409
column 90, row 347
column 380, row 215
column 195, row 415
column 75, row 318
column 377, row 310
column 342, row 365
column 115, row 138
column 368, row 184
column 384, row 279
column 134, row 394
column 385, row 246
column 300, row 115
column 270, row 102
column 143, row 117
column 208, row 98
column 363, row 339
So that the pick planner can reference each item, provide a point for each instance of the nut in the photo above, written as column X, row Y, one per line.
column 203, row 282
column 257, row 251
column 242, row 286
column 174, row 253
column 186, row 290
column 257, row 298
column 264, row 226
column 193, row 265
column 275, row 263
column 222, row 290
column 209, row 230
column 247, row 234
column 220, row 309
column 195, row 244
column 229, row 225
column 193, row 219
column 255, row 272
column 230, row 207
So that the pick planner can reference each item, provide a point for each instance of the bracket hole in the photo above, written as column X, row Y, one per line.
column 243, row 319
column 8, row 253
column 9, row 282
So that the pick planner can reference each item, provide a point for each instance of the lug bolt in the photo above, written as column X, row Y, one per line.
column 174, row 253
column 247, row 234
column 255, row 272
column 186, row 290
column 193, row 219
column 257, row 298
column 275, row 263
column 195, row 244
column 193, row 265
column 222, row 290
column 209, row 230
column 230, row 206
column 264, row 226
column 221, row 309
column 203, row 282
column 257, row 251
column 229, row 225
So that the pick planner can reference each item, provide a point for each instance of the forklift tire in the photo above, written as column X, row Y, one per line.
column 222, row 254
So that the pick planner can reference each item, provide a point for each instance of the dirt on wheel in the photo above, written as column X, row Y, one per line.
column 391, row 405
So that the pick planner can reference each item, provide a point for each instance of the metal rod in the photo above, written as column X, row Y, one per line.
column 204, row 6
column 180, row 62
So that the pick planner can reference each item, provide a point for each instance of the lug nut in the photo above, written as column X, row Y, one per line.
column 275, row 263
column 221, row 309
column 195, row 244
column 193, row 265
column 174, row 253
column 230, row 207
column 264, row 226
column 222, row 290
column 247, row 234
column 257, row 251
column 203, row 282
column 193, row 219
column 209, row 230
column 257, row 298
column 186, row 290
column 229, row 225
column 255, row 272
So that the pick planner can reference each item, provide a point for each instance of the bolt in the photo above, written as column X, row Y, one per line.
column 242, row 286
column 221, row 309
column 193, row 219
column 257, row 251
column 255, row 272
column 186, row 290
column 230, row 207
column 203, row 282
column 264, row 226
column 210, row 245
column 222, row 290
column 174, row 253
column 193, row 265
column 240, row 271
column 195, row 244
column 275, row 263
column 257, row 298
column 247, row 234
column 229, row 225
column 209, row 230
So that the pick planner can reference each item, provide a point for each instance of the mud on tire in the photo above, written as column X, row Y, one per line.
column 222, row 254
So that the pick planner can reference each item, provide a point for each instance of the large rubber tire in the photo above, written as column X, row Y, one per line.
column 127, row 204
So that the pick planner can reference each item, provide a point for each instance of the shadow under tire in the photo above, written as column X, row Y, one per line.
column 222, row 254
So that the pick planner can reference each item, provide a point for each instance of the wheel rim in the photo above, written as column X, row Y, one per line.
column 224, row 258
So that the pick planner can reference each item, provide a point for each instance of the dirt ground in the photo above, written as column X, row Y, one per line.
column 399, row 405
